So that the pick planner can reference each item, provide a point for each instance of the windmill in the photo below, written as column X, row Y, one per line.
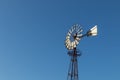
column 73, row 37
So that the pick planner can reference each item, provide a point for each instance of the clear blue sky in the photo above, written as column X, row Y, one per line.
column 32, row 34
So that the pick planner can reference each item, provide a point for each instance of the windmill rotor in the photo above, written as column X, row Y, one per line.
column 72, row 38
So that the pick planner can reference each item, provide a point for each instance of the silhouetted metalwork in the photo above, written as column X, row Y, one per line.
column 73, row 67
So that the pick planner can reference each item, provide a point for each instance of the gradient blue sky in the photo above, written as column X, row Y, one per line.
column 32, row 34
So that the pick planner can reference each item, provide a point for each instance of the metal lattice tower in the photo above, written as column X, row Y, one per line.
column 73, row 67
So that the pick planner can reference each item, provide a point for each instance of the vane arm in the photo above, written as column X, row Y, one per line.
column 83, row 35
column 92, row 32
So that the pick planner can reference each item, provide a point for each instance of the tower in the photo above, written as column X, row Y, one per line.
column 73, row 67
